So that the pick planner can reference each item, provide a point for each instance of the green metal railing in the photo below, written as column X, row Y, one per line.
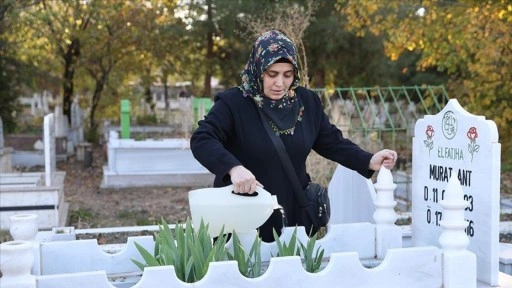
column 392, row 110
column 377, row 118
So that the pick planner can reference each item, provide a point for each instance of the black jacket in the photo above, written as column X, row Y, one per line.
column 233, row 134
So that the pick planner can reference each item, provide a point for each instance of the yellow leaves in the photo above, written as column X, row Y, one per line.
column 421, row 44
column 411, row 46
column 372, row 7
column 501, row 14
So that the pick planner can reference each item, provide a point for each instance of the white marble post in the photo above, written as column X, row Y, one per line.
column 77, row 122
column 49, row 149
column 16, row 264
column 387, row 234
column 459, row 264
column 45, row 100
column 113, row 142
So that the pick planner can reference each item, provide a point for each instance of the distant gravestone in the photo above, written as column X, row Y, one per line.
column 49, row 149
column 1, row 133
column 77, row 124
column 455, row 142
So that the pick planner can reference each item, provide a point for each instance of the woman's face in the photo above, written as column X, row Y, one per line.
column 277, row 79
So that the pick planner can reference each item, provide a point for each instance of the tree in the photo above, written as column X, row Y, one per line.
column 65, row 22
column 13, row 72
column 468, row 40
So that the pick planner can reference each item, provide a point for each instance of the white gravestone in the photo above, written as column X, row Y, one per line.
column 351, row 197
column 455, row 142
column 1, row 133
column 77, row 122
column 49, row 149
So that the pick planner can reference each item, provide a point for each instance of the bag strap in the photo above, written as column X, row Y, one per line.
column 285, row 161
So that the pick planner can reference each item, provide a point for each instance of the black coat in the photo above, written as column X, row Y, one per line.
column 233, row 134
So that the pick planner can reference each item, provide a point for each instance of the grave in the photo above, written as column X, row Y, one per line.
column 457, row 143
column 473, row 154
column 41, row 193
column 150, row 162
column 27, row 148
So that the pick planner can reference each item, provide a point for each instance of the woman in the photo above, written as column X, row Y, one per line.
column 233, row 144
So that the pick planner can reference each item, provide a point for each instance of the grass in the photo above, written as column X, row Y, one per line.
column 5, row 236
column 76, row 217
column 124, row 214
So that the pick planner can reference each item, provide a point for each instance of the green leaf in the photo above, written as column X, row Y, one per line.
column 148, row 257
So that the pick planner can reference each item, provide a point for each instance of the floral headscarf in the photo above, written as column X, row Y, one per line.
column 268, row 48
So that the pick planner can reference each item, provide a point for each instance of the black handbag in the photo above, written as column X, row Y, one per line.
column 314, row 205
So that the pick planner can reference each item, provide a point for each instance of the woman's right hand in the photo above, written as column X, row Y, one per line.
column 243, row 180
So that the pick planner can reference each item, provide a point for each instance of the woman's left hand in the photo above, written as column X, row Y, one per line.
column 384, row 157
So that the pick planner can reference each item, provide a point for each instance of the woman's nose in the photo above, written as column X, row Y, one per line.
column 279, row 81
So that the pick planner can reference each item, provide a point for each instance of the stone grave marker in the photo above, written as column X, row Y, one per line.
column 1, row 133
column 49, row 149
column 456, row 142
column 77, row 122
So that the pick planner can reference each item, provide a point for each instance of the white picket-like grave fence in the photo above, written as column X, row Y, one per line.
column 82, row 263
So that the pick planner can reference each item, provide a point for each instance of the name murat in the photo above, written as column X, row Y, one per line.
column 450, row 153
column 443, row 174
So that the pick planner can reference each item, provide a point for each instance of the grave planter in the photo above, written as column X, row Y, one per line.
column 23, row 226
column 16, row 264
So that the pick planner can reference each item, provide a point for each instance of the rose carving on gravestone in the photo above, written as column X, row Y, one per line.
column 429, row 143
column 472, row 146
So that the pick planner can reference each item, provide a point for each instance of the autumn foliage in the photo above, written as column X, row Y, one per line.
column 471, row 41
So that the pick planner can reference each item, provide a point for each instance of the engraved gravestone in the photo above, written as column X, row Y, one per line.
column 455, row 142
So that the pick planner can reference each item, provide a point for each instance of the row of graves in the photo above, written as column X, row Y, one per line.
column 41, row 193
column 29, row 179
column 453, row 240
column 27, row 149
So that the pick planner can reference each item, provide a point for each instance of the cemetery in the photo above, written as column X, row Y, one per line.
column 99, row 101
column 454, row 242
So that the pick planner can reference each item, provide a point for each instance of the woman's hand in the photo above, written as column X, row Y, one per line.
column 384, row 157
column 243, row 180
